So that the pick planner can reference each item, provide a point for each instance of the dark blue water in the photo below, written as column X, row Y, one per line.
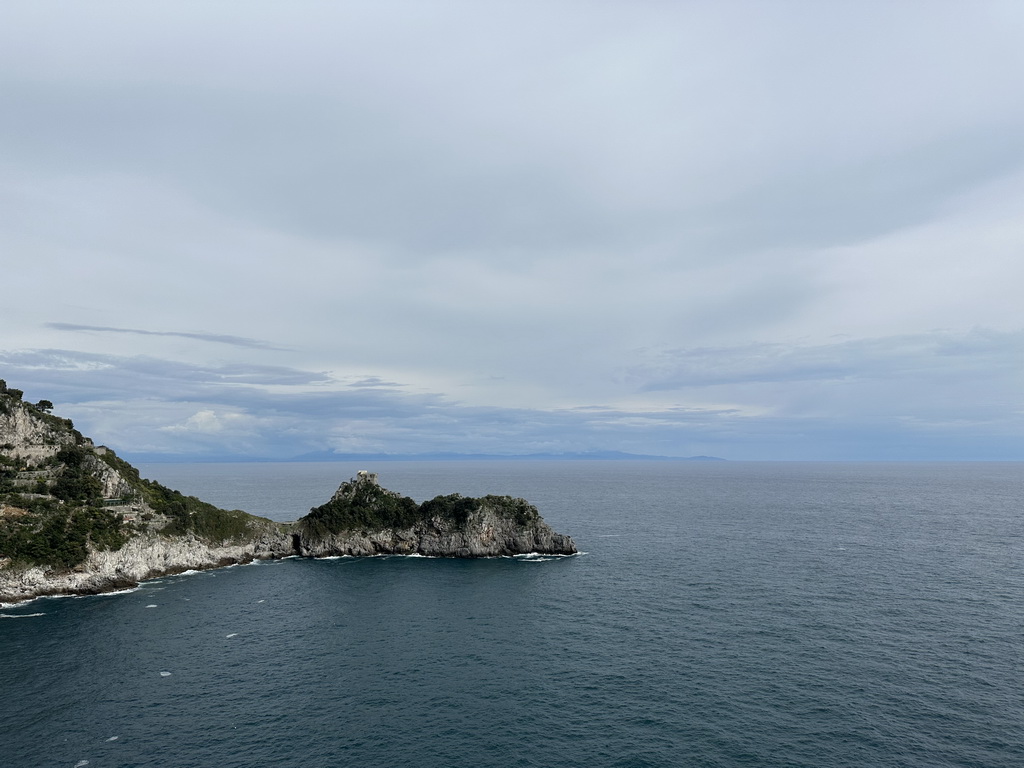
column 724, row 615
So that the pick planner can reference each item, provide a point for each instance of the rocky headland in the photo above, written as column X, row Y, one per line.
column 362, row 518
column 77, row 519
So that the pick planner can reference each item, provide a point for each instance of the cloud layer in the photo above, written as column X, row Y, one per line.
column 757, row 231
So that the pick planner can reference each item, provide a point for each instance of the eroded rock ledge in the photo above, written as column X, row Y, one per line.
column 146, row 556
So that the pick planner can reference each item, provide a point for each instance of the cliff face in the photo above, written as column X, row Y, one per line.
column 146, row 556
column 76, row 519
column 36, row 449
column 487, row 535
column 364, row 519
column 27, row 434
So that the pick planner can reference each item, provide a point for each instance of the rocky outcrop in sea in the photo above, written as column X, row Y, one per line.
column 363, row 519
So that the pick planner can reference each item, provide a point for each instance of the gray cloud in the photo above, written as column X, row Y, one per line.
column 540, row 152
column 121, row 377
column 832, row 401
column 373, row 382
column 237, row 341
column 920, row 356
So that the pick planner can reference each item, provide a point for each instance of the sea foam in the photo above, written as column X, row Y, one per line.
column 116, row 592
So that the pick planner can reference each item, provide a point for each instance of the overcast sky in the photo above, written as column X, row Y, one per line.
column 755, row 230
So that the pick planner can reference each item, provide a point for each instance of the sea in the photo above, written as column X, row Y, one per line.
column 718, row 614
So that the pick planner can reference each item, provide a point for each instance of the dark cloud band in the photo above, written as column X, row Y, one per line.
column 216, row 338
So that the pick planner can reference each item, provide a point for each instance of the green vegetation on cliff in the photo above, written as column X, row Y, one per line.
column 366, row 507
column 62, row 515
column 8, row 473
column 454, row 507
column 52, row 506
column 76, row 482
column 457, row 508
column 191, row 515
column 362, row 505
column 45, row 532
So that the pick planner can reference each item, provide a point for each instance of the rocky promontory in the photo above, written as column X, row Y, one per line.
column 77, row 519
column 362, row 518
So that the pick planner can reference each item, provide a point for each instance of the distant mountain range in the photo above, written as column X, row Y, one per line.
column 576, row 456
column 163, row 458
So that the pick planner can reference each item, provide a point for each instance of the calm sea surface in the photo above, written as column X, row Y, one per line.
column 724, row 614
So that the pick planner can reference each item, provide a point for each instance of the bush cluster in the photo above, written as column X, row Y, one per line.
column 454, row 507
column 57, row 529
column 8, row 473
column 520, row 510
column 191, row 515
column 77, row 483
column 55, row 535
column 370, row 507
